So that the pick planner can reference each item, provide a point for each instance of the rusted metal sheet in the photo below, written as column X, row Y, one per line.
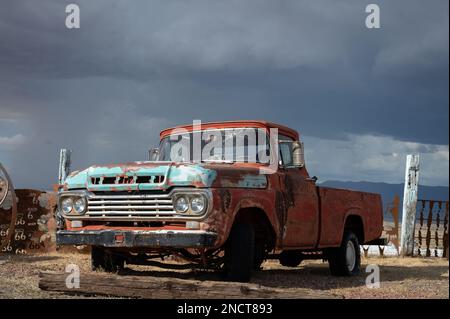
column 234, row 124
column 143, row 176
column 7, row 200
column 138, row 238
column 300, row 214
column 33, row 228
column 283, row 202
column 393, row 232
column 431, row 230
column 338, row 204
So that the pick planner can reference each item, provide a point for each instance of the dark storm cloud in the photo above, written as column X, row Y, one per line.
column 133, row 68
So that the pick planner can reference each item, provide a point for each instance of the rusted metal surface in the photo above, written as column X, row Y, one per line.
column 289, row 209
column 393, row 232
column 138, row 238
column 338, row 205
column 148, row 176
column 33, row 229
column 8, row 201
column 235, row 124
column 288, row 203
column 431, row 230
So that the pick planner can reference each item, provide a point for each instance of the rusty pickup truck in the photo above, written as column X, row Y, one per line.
column 229, row 208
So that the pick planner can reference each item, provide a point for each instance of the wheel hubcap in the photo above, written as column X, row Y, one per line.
column 350, row 256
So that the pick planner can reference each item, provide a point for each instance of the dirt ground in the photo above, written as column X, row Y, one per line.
column 400, row 277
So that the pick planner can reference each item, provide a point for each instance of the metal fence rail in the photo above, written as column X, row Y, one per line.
column 431, row 230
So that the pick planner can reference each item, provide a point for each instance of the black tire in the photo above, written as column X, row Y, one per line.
column 290, row 258
column 240, row 253
column 337, row 257
column 107, row 261
column 260, row 253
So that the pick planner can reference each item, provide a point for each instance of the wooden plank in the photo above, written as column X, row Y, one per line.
column 170, row 288
column 409, row 205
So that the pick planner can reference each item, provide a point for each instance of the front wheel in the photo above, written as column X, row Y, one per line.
column 240, row 253
column 346, row 259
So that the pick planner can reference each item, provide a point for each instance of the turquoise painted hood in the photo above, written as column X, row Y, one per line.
column 162, row 175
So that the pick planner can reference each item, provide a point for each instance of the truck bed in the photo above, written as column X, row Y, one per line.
column 337, row 205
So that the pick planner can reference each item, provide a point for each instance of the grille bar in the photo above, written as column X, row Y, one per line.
column 121, row 202
column 125, row 213
column 143, row 196
column 131, row 207
column 143, row 205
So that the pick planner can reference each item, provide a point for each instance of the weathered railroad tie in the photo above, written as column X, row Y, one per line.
column 169, row 288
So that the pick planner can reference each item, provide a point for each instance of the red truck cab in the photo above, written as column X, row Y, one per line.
column 224, row 208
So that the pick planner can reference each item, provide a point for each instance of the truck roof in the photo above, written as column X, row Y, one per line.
column 236, row 124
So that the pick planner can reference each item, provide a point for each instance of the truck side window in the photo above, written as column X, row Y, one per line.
column 285, row 146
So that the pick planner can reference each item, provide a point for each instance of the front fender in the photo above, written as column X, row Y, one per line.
column 228, row 202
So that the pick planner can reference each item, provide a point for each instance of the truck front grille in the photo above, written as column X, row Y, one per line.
column 147, row 206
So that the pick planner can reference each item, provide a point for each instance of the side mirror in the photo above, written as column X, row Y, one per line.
column 153, row 154
column 298, row 154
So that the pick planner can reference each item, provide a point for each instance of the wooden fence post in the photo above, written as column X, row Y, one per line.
column 409, row 205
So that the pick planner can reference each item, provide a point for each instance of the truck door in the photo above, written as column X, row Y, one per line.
column 301, row 201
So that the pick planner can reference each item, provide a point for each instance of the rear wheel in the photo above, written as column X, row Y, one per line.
column 104, row 260
column 346, row 259
column 240, row 253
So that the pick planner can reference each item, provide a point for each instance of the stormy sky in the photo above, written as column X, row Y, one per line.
column 361, row 98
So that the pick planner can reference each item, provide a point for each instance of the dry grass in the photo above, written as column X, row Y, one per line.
column 400, row 277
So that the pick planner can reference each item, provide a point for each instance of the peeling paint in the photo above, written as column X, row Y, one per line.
column 190, row 174
column 301, row 215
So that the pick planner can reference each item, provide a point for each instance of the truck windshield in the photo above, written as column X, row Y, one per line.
column 249, row 145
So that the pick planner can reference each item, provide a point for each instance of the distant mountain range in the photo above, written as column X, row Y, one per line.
column 388, row 191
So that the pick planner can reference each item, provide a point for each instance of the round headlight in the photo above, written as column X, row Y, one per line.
column 67, row 205
column 197, row 204
column 80, row 205
column 181, row 204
